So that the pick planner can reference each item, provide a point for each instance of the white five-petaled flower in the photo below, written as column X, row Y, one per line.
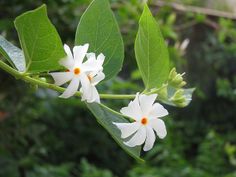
column 145, row 114
column 88, row 73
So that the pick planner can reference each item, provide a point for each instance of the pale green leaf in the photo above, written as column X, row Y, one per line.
column 105, row 116
column 13, row 54
column 99, row 28
column 151, row 51
column 188, row 95
column 39, row 40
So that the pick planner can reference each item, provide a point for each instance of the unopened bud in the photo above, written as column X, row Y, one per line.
column 175, row 79
column 178, row 93
column 43, row 79
column 181, row 104
column 183, row 83
column 179, row 98
column 172, row 74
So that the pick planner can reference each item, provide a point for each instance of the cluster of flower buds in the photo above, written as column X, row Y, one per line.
column 173, row 91
column 176, row 80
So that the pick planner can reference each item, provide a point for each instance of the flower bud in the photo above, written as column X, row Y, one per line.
column 182, row 104
column 172, row 74
column 175, row 79
column 179, row 98
column 43, row 79
column 178, row 93
column 183, row 83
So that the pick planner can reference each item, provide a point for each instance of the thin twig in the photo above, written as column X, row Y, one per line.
column 194, row 9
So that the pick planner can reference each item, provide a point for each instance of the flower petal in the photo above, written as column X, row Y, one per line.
column 157, row 110
column 92, row 65
column 150, row 139
column 138, row 138
column 61, row 78
column 72, row 88
column 127, row 129
column 99, row 77
column 101, row 58
column 67, row 62
column 86, row 87
column 146, row 102
column 133, row 110
column 159, row 126
column 79, row 53
column 94, row 95
column 91, row 56
column 68, row 51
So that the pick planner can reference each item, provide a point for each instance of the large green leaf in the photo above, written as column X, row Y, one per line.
column 105, row 116
column 13, row 54
column 151, row 51
column 99, row 28
column 39, row 40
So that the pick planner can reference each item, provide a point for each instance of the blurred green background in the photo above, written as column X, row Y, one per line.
column 42, row 135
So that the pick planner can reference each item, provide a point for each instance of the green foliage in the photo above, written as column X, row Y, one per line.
column 106, row 117
column 99, row 28
column 13, row 54
column 39, row 40
column 212, row 146
column 44, row 133
column 151, row 51
column 89, row 170
column 52, row 171
column 226, row 89
column 42, row 47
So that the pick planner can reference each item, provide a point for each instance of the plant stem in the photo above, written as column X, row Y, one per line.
column 43, row 84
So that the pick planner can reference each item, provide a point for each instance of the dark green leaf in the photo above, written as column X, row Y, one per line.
column 151, row 51
column 39, row 40
column 13, row 54
column 99, row 28
column 105, row 116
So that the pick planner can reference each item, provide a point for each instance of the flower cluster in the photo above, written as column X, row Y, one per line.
column 142, row 110
column 88, row 73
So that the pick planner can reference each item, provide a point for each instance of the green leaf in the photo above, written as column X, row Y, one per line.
column 39, row 40
column 151, row 51
column 13, row 54
column 105, row 116
column 99, row 28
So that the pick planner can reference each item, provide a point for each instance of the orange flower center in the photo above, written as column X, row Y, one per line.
column 76, row 71
column 90, row 78
column 144, row 121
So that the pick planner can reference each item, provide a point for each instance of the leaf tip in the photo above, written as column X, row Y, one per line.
column 41, row 8
column 146, row 8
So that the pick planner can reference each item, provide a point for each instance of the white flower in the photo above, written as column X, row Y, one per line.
column 89, row 92
column 77, row 71
column 145, row 114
